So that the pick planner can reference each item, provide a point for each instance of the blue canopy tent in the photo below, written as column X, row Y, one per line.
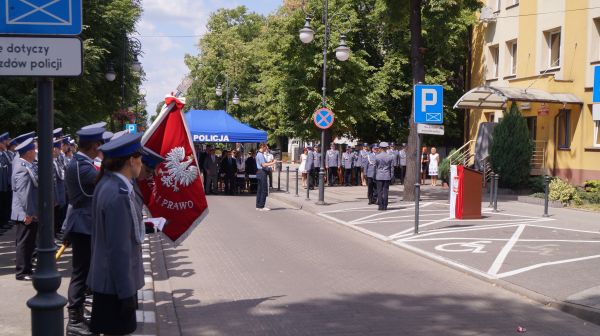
column 219, row 126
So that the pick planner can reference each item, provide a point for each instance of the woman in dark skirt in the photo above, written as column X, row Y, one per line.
column 116, row 271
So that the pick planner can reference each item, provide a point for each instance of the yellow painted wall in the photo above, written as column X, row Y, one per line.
column 576, row 164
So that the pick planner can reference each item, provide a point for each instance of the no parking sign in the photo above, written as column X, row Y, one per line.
column 323, row 118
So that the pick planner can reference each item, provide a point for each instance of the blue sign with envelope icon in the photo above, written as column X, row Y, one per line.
column 40, row 17
column 429, row 104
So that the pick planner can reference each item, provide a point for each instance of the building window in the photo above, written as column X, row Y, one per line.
column 493, row 64
column 597, row 133
column 554, row 49
column 512, row 49
column 564, row 129
column 596, row 41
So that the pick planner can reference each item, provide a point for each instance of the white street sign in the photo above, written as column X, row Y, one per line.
column 41, row 56
column 430, row 129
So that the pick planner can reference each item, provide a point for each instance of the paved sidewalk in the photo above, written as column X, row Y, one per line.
column 15, row 316
column 515, row 248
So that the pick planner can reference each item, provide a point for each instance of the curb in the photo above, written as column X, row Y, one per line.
column 583, row 312
column 146, row 312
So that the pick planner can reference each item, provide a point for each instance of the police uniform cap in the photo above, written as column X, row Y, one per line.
column 374, row 146
column 19, row 139
column 25, row 146
column 101, row 124
column 366, row 144
column 90, row 134
column 66, row 140
column 151, row 159
column 58, row 143
column 123, row 146
column 4, row 136
column 316, row 146
column 57, row 132
column 107, row 136
column 383, row 144
column 118, row 134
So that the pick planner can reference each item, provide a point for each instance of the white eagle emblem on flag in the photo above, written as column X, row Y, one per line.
column 179, row 169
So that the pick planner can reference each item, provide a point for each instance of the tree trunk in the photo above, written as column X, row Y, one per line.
column 418, row 71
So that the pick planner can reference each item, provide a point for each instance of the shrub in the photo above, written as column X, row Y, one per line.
column 444, row 168
column 590, row 197
column 538, row 195
column 536, row 184
column 511, row 149
column 564, row 192
column 592, row 186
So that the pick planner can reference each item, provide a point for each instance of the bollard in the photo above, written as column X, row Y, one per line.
column 491, row 190
column 287, row 179
column 297, row 183
column 496, row 179
column 308, row 193
column 278, row 177
column 546, row 194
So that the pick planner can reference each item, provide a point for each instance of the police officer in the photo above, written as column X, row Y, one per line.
column 308, row 166
column 16, row 142
column 24, row 207
column 347, row 164
column 332, row 162
column 356, row 167
column 394, row 152
column 364, row 163
column 60, row 193
column 370, row 175
column 402, row 162
column 384, row 169
column 316, row 164
column 116, row 272
column 5, row 183
column 80, row 180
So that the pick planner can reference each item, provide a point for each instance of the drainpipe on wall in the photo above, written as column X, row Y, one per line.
column 554, row 131
column 468, row 77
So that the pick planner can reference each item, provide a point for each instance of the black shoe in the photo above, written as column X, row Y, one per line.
column 76, row 325
column 25, row 277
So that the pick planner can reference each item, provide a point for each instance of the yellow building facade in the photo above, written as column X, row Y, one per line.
column 541, row 55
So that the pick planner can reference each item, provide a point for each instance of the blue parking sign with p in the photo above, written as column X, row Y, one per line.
column 131, row 128
column 429, row 104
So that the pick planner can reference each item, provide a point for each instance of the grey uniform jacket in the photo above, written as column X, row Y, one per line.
column 60, row 197
column 316, row 160
column 211, row 166
column 347, row 160
column 5, row 171
column 332, row 158
column 25, row 191
column 370, row 168
column 116, row 264
column 309, row 164
column 402, row 157
column 363, row 159
column 80, row 179
column 384, row 163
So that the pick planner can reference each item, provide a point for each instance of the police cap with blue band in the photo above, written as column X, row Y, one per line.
column 66, row 140
column 90, row 134
column 25, row 146
column 151, row 159
column 21, row 138
column 118, row 134
column 57, row 143
column 107, row 136
column 101, row 124
column 57, row 132
column 4, row 136
column 123, row 146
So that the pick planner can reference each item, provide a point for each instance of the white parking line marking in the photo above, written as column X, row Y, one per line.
column 505, row 250
column 420, row 226
column 532, row 267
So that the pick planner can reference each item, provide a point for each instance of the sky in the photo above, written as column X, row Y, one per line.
column 169, row 29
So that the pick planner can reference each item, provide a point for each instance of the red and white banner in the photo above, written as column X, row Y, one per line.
column 176, row 191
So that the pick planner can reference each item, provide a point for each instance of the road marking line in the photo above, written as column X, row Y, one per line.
column 505, row 250
column 358, row 228
column 371, row 216
column 503, row 239
column 565, row 229
column 532, row 267
column 394, row 236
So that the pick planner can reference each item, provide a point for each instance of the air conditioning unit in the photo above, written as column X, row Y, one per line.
column 487, row 15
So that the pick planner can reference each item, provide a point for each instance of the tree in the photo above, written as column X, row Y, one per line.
column 511, row 149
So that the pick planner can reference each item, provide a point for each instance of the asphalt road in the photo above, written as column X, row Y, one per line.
column 288, row 272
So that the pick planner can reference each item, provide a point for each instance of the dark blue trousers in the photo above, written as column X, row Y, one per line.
column 263, row 189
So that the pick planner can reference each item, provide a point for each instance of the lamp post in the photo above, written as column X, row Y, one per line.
column 342, row 53
column 219, row 91
column 131, row 46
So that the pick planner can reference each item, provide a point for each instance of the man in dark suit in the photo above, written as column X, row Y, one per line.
column 229, row 166
column 211, row 172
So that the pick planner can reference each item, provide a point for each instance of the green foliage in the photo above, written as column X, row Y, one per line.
column 564, row 192
column 511, row 149
column 279, row 79
column 89, row 98
column 444, row 167
column 536, row 184
column 592, row 186
column 590, row 197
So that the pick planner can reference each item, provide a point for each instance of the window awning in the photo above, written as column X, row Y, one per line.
column 495, row 98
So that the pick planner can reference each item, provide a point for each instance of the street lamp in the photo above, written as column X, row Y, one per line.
column 342, row 53
column 219, row 90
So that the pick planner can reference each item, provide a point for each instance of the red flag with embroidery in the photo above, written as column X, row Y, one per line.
column 175, row 191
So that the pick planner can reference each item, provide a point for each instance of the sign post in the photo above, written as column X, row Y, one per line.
column 43, row 57
column 323, row 119
column 428, row 105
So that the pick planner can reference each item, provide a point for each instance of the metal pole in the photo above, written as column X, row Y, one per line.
column 418, row 184
column 287, row 179
column 491, row 190
column 324, row 103
column 496, row 179
column 123, row 72
column 278, row 176
column 308, row 191
column 47, row 316
column 227, row 92
column 546, row 194
column 297, row 183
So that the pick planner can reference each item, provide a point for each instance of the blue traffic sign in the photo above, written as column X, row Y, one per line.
column 596, row 95
column 429, row 104
column 40, row 17
column 323, row 118
column 131, row 128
